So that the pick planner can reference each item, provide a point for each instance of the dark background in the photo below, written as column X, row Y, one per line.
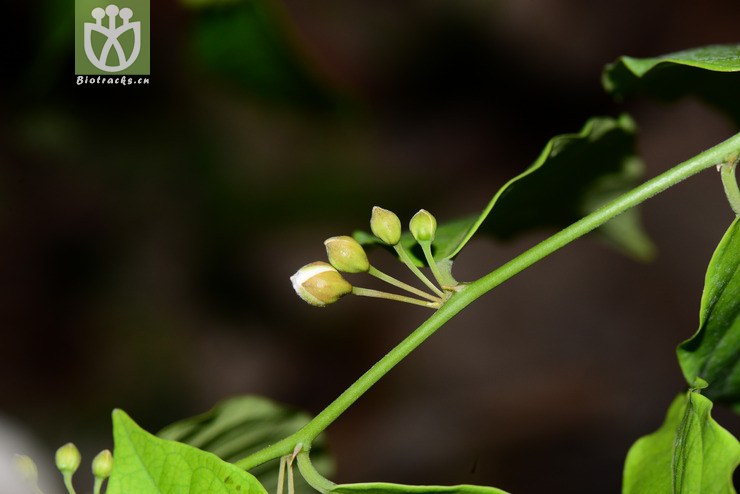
column 148, row 233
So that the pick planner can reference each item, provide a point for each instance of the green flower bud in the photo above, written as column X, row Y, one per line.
column 346, row 254
column 319, row 284
column 385, row 225
column 423, row 226
column 27, row 468
column 102, row 464
column 68, row 458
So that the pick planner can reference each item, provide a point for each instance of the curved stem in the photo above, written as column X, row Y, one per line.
column 68, row 483
column 469, row 292
column 311, row 475
column 727, row 172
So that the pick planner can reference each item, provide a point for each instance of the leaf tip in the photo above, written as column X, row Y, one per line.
column 120, row 417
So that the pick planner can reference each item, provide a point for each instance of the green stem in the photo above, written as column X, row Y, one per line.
column 68, row 483
column 469, row 292
column 404, row 257
column 367, row 292
column 291, row 482
column 311, row 475
column 400, row 284
column 281, row 475
column 426, row 247
column 727, row 172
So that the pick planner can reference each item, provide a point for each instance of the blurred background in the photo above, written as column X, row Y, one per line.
column 148, row 233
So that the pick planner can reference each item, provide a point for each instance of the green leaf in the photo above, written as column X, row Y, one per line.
column 690, row 453
column 711, row 73
column 573, row 176
column 713, row 353
column 146, row 464
column 385, row 488
column 240, row 426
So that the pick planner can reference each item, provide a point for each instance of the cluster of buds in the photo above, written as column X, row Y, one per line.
column 321, row 283
column 67, row 460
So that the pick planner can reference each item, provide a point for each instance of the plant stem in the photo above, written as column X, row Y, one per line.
column 404, row 257
column 311, row 475
column 426, row 247
column 729, row 182
column 367, row 292
column 68, row 483
column 309, row 432
column 281, row 475
column 291, row 482
column 469, row 292
column 400, row 284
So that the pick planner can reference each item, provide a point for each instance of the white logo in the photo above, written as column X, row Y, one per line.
column 111, row 32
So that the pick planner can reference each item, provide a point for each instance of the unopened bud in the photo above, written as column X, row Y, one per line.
column 385, row 225
column 423, row 226
column 346, row 254
column 319, row 283
column 68, row 458
column 25, row 466
column 102, row 464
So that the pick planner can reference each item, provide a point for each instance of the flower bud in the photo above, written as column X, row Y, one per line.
column 423, row 226
column 385, row 225
column 102, row 464
column 346, row 254
column 25, row 466
column 319, row 284
column 68, row 458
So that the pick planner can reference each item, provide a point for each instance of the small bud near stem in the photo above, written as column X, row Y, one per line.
column 346, row 254
column 102, row 466
column 320, row 284
column 385, row 225
column 27, row 468
column 68, row 460
column 423, row 227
